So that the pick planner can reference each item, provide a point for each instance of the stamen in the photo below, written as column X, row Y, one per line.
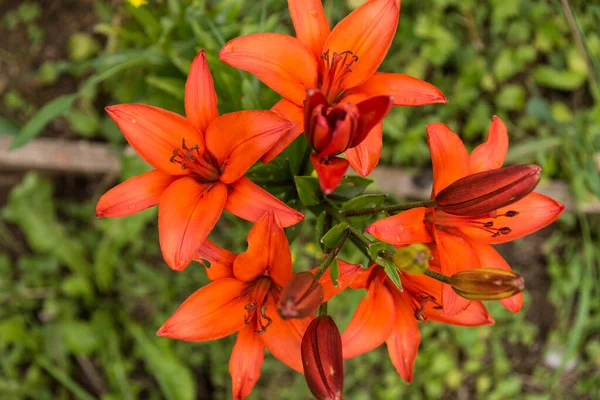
column 510, row 214
column 191, row 158
column 263, row 326
column 334, row 70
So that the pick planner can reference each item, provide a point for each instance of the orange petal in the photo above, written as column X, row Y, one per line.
column 474, row 315
column 491, row 153
column 456, row 254
column 283, row 338
column 490, row 258
column 268, row 251
column 249, row 201
column 134, row 195
column 246, row 359
column 405, row 90
column 364, row 157
column 294, row 113
column 330, row 171
column 238, row 139
column 200, row 95
column 282, row 62
column 535, row 211
column 403, row 345
column 187, row 213
column 403, row 228
column 310, row 23
column 449, row 156
column 367, row 32
column 347, row 273
column 221, row 260
column 154, row 133
column 372, row 322
column 201, row 316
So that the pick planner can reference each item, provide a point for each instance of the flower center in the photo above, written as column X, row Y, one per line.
column 487, row 222
column 199, row 163
column 258, row 291
column 335, row 68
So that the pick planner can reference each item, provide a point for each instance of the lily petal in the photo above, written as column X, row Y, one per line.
column 403, row 228
column 456, row 254
column 249, row 201
column 449, row 156
column 403, row 344
column 268, row 252
column 200, row 317
column 367, row 32
column 474, row 315
column 221, row 260
column 372, row 111
column 200, row 96
column 491, row 153
column 310, row 23
column 187, row 213
column 364, row 157
column 281, row 62
column 134, row 195
column 154, row 133
column 238, row 139
column 347, row 273
column 246, row 360
column 405, row 90
column 293, row 113
column 490, row 258
column 283, row 338
column 330, row 171
column 372, row 322
column 534, row 212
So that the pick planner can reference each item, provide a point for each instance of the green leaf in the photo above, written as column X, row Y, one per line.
column 64, row 379
column 363, row 201
column 334, row 271
column 352, row 186
column 331, row 238
column 308, row 190
column 55, row 108
column 174, row 378
column 173, row 86
column 390, row 270
column 558, row 79
column 80, row 338
column 375, row 248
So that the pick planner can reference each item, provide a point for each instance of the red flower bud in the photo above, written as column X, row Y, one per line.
column 322, row 359
column 487, row 283
column 488, row 191
column 333, row 130
column 300, row 297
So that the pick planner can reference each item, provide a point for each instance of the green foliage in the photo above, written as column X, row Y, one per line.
column 80, row 298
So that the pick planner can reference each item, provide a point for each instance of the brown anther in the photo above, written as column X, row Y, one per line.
column 488, row 224
column 511, row 214
column 263, row 327
column 505, row 230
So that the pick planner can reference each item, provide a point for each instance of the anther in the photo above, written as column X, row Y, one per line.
column 511, row 214
column 263, row 327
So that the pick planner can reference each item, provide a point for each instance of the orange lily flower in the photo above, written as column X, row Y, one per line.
column 199, row 164
column 464, row 242
column 242, row 298
column 340, row 62
column 392, row 316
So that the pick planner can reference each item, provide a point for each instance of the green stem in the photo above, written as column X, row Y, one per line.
column 323, row 309
column 437, row 276
column 389, row 209
column 331, row 256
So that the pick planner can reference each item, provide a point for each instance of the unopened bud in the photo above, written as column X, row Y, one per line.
column 487, row 283
column 488, row 191
column 300, row 297
column 322, row 359
column 413, row 259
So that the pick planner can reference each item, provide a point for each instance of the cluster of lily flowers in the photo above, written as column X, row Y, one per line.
column 444, row 264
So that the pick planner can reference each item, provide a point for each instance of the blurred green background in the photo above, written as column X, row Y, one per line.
column 81, row 298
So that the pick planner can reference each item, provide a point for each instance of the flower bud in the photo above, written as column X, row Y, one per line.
column 333, row 130
column 413, row 259
column 487, row 283
column 300, row 297
column 488, row 191
column 322, row 359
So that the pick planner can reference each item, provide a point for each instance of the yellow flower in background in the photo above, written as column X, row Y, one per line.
column 137, row 3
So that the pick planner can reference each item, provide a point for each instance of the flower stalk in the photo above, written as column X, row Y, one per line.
column 390, row 209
